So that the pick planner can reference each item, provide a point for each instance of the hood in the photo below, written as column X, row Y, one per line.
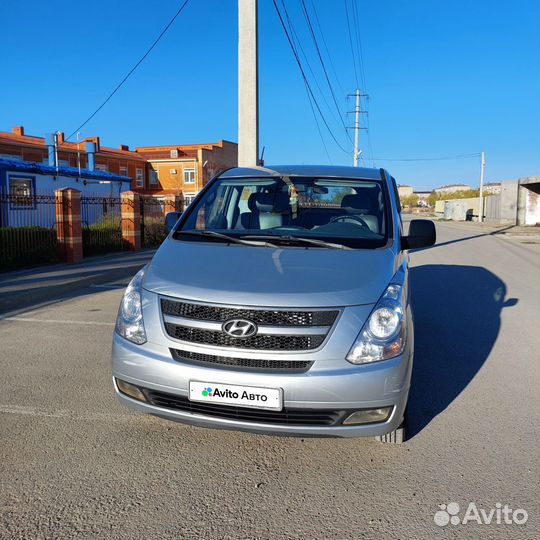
column 274, row 277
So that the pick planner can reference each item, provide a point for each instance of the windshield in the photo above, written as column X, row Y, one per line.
column 312, row 212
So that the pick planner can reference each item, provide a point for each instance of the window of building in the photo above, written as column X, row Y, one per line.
column 123, row 171
column 154, row 177
column 188, row 199
column 174, row 154
column 22, row 191
column 139, row 177
column 102, row 167
column 189, row 176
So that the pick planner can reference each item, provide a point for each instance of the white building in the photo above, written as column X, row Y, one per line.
column 27, row 192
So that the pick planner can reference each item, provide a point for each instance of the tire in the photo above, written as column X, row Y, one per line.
column 394, row 437
column 398, row 436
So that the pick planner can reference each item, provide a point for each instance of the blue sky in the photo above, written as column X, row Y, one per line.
column 444, row 78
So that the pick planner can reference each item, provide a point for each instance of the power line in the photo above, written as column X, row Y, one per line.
column 306, row 15
column 141, row 60
column 370, row 147
column 351, row 42
column 359, row 51
column 445, row 158
column 310, row 91
column 295, row 38
column 317, row 21
column 318, row 128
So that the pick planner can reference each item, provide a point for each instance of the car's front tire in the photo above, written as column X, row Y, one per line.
column 398, row 436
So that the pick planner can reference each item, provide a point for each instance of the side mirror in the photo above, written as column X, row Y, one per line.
column 170, row 221
column 421, row 234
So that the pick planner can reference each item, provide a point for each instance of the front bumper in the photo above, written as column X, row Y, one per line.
column 327, row 385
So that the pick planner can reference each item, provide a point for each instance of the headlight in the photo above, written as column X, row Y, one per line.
column 129, row 323
column 383, row 334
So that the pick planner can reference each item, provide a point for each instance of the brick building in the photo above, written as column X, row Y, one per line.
column 156, row 170
column 186, row 168
column 121, row 161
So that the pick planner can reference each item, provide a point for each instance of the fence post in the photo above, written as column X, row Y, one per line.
column 172, row 204
column 131, row 220
column 68, row 223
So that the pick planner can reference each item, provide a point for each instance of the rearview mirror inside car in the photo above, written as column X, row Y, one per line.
column 170, row 221
column 421, row 234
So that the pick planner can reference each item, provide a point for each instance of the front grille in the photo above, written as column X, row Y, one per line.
column 290, row 366
column 263, row 342
column 296, row 417
column 203, row 312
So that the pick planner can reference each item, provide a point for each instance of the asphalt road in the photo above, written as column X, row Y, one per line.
column 75, row 464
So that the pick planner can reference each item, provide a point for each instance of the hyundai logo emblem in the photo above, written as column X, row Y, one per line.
column 239, row 328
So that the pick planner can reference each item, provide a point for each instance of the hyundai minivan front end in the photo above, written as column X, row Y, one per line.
column 279, row 303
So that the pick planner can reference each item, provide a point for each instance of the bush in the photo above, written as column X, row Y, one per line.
column 27, row 246
column 99, row 238
column 153, row 232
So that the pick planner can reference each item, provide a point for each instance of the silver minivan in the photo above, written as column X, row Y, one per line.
column 279, row 303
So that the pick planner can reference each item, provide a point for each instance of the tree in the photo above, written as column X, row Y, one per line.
column 409, row 200
column 433, row 197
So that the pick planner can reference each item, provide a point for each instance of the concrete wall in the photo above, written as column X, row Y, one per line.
column 439, row 207
column 462, row 209
column 532, row 207
column 509, row 202
column 517, row 204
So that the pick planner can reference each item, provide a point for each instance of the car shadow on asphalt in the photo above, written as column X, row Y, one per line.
column 456, row 321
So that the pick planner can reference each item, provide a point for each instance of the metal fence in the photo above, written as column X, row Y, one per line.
column 101, row 221
column 152, row 221
column 27, row 230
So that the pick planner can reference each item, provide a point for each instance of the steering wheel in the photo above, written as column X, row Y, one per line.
column 345, row 218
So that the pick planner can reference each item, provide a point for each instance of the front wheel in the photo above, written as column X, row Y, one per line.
column 398, row 436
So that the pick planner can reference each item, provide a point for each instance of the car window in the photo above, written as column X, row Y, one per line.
column 348, row 211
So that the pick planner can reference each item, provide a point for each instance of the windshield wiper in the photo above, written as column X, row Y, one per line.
column 225, row 237
column 292, row 239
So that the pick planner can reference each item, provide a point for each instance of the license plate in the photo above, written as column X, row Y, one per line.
column 231, row 394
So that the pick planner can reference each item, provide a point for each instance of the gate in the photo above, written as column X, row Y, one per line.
column 152, row 221
column 492, row 207
column 101, row 221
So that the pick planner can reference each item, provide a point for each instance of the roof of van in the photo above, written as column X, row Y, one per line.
column 337, row 171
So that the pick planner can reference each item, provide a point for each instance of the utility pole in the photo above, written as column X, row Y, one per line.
column 248, row 84
column 481, row 205
column 357, row 150
column 357, row 112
